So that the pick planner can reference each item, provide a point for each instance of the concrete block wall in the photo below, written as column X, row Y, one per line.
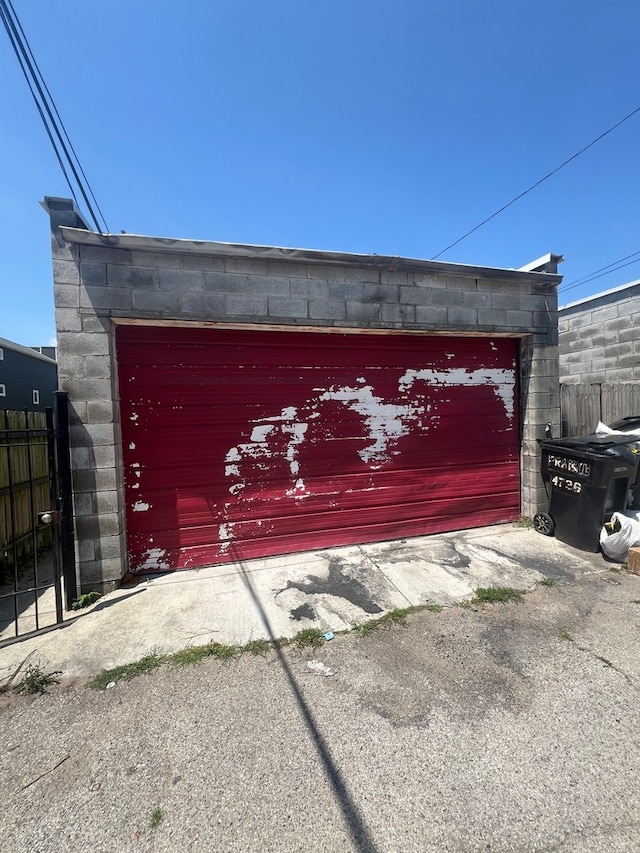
column 100, row 281
column 600, row 338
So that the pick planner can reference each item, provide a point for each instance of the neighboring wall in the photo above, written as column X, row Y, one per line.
column 600, row 337
column 27, row 379
column 101, row 280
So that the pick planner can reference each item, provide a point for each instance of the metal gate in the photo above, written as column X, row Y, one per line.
column 37, row 555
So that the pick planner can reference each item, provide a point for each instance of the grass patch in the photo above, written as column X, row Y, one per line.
column 128, row 671
column 496, row 595
column 257, row 647
column 546, row 582
column 365, row 629
column 523, row 521
column 196, row 654
column 156, row 818
column 184, row 657
column 309, row 638
column 190, row 655
column 564, row 634
column 281, row 642
column 36, row 680
column 222, row 652
column 434, row 608
column 398, row 616
column 85, row 600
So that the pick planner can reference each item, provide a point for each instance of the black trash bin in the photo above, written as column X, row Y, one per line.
column 587, row 479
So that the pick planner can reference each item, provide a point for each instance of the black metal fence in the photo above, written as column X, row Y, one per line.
column 37, row 564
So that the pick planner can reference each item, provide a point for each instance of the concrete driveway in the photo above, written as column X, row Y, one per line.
column 331, row 589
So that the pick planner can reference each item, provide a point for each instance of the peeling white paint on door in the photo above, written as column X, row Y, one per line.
column 502, row 381
column 141, row 506
column 272, row 438
column 225, row 532
column 155, row 560
column 260, row 433
column 385, row 422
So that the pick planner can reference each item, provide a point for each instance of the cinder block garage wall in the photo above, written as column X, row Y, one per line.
column 600, row 338
column 99, row 280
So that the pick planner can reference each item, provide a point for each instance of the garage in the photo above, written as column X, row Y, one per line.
column 231, row 401
column 249, row 442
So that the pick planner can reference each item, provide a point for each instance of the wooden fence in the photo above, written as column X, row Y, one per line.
column 582, row 406
column 24, row 481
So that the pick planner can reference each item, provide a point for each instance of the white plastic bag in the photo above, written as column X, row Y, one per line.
column 603, row 429
column 616, row 545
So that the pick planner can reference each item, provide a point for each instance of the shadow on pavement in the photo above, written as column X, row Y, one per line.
column 356, row 826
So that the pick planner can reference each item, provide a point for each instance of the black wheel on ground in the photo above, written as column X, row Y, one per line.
column 544, row 524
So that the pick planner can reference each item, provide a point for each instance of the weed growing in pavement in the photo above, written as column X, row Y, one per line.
column 546, row 582
column 310, row 638
column 365, row 629
column 36, row 680
column 257, row 647
column 128, row 671
column 156, row 818
column 523, row 521
column 196, row 654
column 398, row 616
column 496, row 595
column 393, row 617
column 281, row 642
column 85, row 600
column 224, row 652
column 192, row 654
column 564, row 634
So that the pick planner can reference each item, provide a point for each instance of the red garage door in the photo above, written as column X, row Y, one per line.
column 246, row 443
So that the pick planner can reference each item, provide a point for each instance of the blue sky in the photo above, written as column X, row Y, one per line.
column 349, row 125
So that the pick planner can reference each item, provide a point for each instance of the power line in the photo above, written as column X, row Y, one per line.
column 537, row 183
column 578, row 281
column 25, row 57
column 38, row 107
column 55, row 109
column 614, row 267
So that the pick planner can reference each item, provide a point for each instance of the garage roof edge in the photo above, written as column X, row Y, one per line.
column 80, row 236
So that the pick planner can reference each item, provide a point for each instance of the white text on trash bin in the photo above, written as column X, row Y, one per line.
column 572, row 466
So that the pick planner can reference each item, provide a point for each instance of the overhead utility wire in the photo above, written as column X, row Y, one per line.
column 38, row 107
column 537, row 184
column 55, row 109
column 31, row 77
column 600, row 269
column 593, row 276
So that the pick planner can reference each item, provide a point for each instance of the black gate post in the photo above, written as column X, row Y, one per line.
column 67, row 542
column 55, row 505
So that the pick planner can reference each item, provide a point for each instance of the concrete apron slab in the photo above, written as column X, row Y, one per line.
column 331, row 589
